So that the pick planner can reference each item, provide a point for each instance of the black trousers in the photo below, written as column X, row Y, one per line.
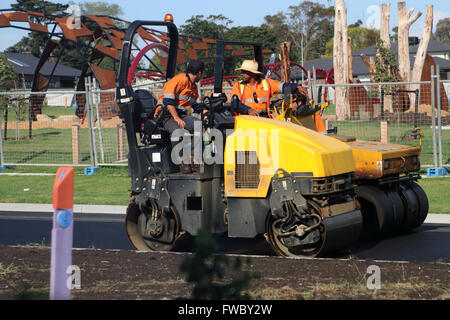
column 195, row 142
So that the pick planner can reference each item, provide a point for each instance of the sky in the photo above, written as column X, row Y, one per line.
column 244, row 13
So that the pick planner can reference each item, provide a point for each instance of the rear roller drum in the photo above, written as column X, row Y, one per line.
column 377, row 212
column 422, row 202
column 149, row 229
column 411, row 204
column 399, row 210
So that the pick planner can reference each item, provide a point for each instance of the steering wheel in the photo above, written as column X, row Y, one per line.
column 154, row 76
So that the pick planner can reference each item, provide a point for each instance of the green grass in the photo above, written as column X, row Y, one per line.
column 54, row 146
column 438, row 192
column 110, row 186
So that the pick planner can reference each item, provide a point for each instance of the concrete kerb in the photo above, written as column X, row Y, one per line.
column 439, row 218
column 77, row 208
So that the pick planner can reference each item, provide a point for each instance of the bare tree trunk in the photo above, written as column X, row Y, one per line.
column 385, row 38
column 421, row 53
column 285, row 62
column 340, row 72
column 384, row 27
column 404, row 23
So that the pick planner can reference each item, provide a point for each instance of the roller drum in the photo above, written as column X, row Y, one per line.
column 411, row 204
column 377, row 212
column 422, row 202
column 398, row 210
column 342, row 230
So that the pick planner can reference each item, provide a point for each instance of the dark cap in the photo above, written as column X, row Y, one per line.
column 195, row 66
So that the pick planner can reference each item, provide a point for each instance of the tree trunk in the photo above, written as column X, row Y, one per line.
column 423, row 46
column 340, row 73
column 404, row 23
column 384, row 27
column 384, row 37
column 421, row 54
column 285, row 62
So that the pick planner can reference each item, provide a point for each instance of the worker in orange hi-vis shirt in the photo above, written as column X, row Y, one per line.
column 254, row 91
column 180, row 98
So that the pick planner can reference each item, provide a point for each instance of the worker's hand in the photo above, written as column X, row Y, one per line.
column 302, row 91
column 180, row 122
column 252, row 112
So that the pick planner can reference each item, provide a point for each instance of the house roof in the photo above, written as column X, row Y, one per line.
column 26, row 64
column 434, row 46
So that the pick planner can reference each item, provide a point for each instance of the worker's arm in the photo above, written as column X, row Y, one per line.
column 242, row 108
column 175, row 116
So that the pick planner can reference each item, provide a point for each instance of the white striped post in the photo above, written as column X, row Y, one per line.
column 62, row 234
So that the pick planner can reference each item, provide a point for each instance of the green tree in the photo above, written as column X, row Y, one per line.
column 394, row 36
column 277, row 26
column 213, row 26
column 386, row 69
column 8, row 77
column 442, row 32
column 309, row 22
column 35, row 41
column 8, row 80
column 361, row 38
column 100, row 8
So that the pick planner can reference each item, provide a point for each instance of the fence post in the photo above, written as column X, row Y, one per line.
column 2, row 159
column 76, row 144
column 433, row 114
column 384, row 125
column 438, row 90
column 120, row 142
column 92, row 120
column 96, row 95
column 93, row 168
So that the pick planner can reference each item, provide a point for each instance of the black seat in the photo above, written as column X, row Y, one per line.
column 146, row 104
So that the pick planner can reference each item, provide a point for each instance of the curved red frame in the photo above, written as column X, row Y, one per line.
column 138, row 58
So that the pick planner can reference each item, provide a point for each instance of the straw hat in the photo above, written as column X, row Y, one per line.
column 250, row 66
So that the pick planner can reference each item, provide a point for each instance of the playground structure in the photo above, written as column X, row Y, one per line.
column 99, row 39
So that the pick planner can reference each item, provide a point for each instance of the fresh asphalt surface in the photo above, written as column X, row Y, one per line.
column 103, row 227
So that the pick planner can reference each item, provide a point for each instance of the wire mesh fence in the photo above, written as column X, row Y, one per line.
column 84, row 128
column 398, row 113
column 37, row 129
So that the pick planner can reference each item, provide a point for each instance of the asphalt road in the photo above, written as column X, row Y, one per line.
column 428, row 243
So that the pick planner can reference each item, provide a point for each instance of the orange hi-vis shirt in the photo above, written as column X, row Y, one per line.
column 264, row 91
column 180, row 92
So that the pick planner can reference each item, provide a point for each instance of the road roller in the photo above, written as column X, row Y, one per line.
column 386, row 174
column 258, row 176
column 386, row 177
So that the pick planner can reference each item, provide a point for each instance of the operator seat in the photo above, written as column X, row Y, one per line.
column 150, row 128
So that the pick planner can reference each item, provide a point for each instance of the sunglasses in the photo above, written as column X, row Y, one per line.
column 255, row 98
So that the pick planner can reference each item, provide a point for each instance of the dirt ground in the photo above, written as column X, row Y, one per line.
column 130, row 275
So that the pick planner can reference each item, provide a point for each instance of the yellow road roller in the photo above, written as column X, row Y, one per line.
column 258, row 176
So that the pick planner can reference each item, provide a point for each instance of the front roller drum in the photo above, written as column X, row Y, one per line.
column 331, row 233
column 148, row 229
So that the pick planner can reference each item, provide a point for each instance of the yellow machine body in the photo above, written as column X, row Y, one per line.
column 374, row 159
column 253, row 156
